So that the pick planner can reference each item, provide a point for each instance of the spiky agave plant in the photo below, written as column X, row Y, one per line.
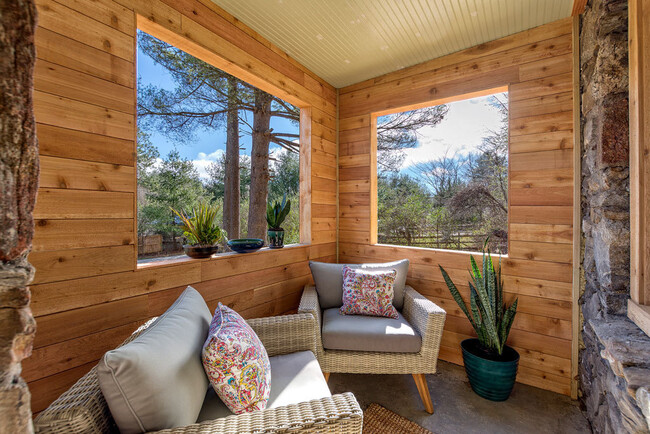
column 276, row 213
column 489, row 316
column 200, row 226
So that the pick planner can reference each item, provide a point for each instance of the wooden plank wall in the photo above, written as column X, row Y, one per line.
column 537, row 67
column 88, row 294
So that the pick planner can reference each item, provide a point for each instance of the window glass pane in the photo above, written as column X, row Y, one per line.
column 442, row 177
column 206, row 136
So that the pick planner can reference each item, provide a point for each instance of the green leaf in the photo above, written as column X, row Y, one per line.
column 456, row 294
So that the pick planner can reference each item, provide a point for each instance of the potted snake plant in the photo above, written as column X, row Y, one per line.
column 275, row 215
column 201, row 230
column 490, row 364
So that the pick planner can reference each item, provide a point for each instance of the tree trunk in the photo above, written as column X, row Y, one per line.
column 18, row 185
column 231, row 196
column 259, row 165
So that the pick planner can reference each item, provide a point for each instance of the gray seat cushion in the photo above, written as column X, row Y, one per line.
column 295, row 378
column 157, row 380
column 328, row 279
column 368, row 333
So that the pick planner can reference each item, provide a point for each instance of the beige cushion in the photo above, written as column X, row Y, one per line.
column 295, row 378
column 368, row 333
column 157, row 380
column 328, row 279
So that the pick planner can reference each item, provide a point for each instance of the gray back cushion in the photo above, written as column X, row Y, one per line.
column 157, row 380
column 328, row 279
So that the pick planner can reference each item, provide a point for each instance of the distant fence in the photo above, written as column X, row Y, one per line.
column 433, row 237
column 156, row 245
column 150, row 244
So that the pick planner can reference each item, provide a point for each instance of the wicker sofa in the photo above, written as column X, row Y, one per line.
column 422, row 314
column 83, row 408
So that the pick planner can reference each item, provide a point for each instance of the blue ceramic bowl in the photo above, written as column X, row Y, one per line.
column 245, row 245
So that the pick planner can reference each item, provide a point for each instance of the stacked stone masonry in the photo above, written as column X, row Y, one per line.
column 615, row 355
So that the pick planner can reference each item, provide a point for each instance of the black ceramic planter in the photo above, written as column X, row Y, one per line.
column 491, row 379
column 200, row 252
column 276, row 238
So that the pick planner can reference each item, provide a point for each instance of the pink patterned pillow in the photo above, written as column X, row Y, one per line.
column 236, row 362
column 367, row 292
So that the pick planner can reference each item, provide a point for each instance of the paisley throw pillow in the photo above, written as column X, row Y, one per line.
column 236, row 362
column 367, row 292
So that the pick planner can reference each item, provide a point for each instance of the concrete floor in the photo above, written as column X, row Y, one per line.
column 457, row 409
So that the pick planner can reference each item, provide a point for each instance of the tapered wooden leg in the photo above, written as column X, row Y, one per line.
column 423, row 388
column 327, row 376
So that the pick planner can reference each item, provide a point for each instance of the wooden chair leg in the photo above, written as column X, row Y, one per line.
column 423, row 388
column 327, row 376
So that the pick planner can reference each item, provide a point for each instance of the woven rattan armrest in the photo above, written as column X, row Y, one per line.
column 287, row 333
column 309, row 303
column 337, row 414
column 425, row 316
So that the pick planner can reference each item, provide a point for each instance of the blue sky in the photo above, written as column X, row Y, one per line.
column 459, row 133
column 209, row 145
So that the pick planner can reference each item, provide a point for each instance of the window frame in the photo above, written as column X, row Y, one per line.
column 220, row 61
column 373, row 236
column 638, row 309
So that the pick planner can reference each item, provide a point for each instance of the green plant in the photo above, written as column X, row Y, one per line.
column 489, row 315
column 200, row 226
column 276, row 213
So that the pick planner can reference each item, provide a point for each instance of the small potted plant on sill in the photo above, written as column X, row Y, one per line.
column 275, row 215
column 490, row 364
column 201, row 230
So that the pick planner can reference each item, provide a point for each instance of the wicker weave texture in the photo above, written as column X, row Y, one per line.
column 337, row 414
column 424, row 315
column 82, row 409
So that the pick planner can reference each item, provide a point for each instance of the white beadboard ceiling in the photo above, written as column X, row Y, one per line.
column 347, row 41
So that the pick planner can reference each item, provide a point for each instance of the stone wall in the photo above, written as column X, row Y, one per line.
column 18, row 185
column 614, row 359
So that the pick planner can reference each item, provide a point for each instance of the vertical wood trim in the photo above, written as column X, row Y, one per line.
column 639, row 58
column 338, row 188
column 136, row 239
column 578, row 7
column 305, row 175
column 508, row 198
column 638, row 238
column 372, row 237
column 577, row 233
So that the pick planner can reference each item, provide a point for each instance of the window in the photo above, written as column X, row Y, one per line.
column 442, row 178
column 205, row 135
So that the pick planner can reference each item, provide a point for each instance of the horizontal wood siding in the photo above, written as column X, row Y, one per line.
column 536, row 65
column 88, row 294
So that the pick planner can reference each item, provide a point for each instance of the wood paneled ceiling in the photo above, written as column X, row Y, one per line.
column 347, row 41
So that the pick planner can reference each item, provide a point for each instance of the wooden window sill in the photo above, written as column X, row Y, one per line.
column 640, row 315
column 217, row 257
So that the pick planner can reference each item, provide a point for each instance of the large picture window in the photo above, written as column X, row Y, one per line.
column 207, row 136
column 442, row 178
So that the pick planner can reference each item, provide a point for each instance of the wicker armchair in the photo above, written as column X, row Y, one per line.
column 424, row 316
column 83, row 408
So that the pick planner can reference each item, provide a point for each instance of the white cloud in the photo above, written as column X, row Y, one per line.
column 460, row 132
column 203, row 160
